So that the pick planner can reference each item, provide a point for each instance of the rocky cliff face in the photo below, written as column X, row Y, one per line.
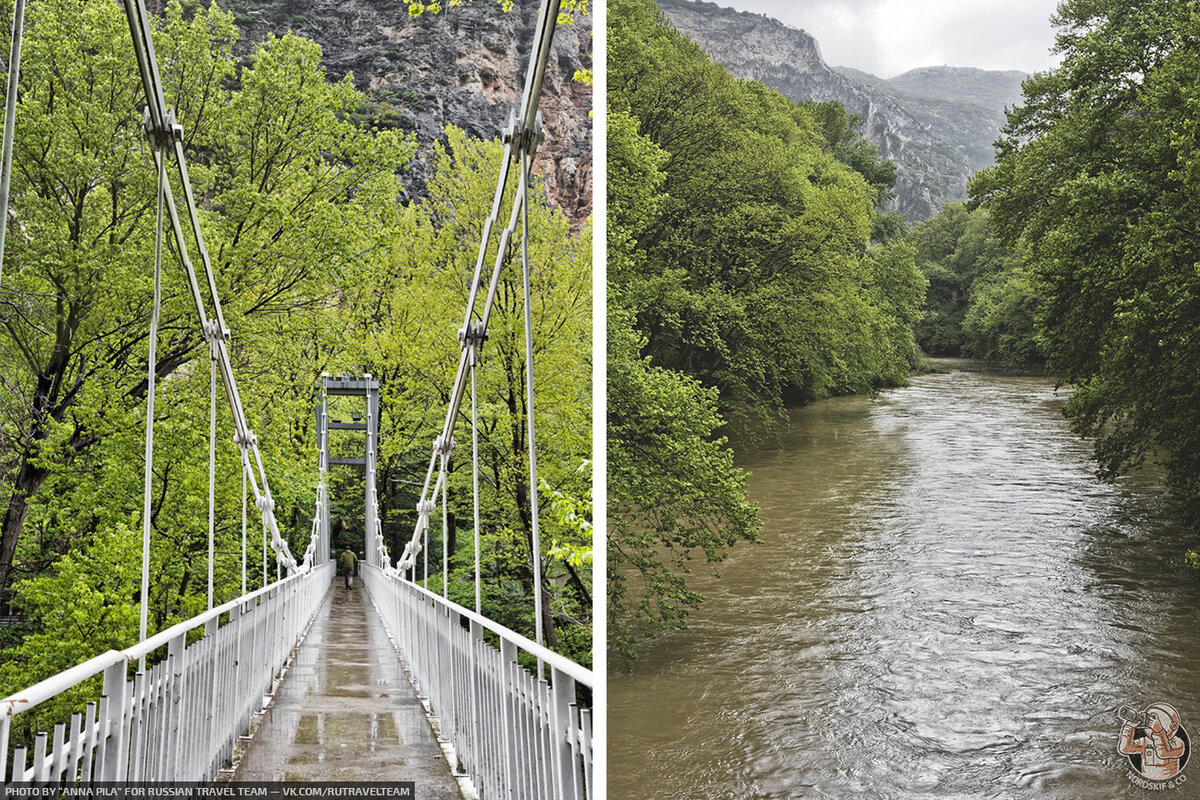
column 961, row 106
column 464, row 66
column 788, row 60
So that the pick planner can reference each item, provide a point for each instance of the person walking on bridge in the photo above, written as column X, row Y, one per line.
column 347, row 562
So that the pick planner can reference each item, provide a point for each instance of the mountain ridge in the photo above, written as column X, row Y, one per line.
column 937, row 142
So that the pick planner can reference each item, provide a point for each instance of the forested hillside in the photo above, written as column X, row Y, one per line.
column 742, row 277
column 321, row 269
column 932, row 170
column 1096, row 179
column 981, row 301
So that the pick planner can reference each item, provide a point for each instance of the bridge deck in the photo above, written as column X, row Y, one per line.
column 346, row 711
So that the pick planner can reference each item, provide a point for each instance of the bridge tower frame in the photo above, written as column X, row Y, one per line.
column 367, row 387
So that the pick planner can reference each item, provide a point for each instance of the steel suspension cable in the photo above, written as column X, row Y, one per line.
column 151, row 375
column 166, row 132
column 535, row 545
column 10, row 120
column 243, row 532
column 475, row 483
column 212, row 468
column 522, row 136
column 445, row 530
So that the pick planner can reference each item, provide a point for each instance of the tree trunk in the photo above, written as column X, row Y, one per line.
column 29, row 479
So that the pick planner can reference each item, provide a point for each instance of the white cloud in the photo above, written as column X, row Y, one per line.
column 887, row 37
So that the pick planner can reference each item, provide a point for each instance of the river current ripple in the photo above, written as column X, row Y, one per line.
column 946, row 603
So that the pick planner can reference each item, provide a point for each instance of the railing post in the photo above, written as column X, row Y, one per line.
column 564, row 696
column 39, row 758
column 512, row 766
column 476, row 710
column 176, row 662
column 5, row 721
column 113, row 724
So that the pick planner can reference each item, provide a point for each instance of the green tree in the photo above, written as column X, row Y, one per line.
column 1097, row 173
column 753, row 280
column 403, row 324
column 86, row 605
column 674, row 494
column 293, row 199
column 980, row 301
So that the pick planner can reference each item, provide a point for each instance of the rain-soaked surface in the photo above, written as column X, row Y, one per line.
column 346, row 711
column 945, row 603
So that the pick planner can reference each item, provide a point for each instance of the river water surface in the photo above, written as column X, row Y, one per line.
column 945, row 603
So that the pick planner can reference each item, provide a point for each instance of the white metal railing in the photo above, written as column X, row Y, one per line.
column 180, row 718
column 516, row 736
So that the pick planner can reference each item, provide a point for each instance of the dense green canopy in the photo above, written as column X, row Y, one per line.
column 980, row 301
column 1098, row 174
column 741, row 277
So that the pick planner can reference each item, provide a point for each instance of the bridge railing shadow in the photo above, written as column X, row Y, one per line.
column 180, row 718
column 514, row 734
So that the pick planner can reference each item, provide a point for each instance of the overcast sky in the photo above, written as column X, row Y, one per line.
column 887, row 37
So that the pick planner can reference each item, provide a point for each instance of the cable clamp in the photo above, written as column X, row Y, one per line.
column 524, row 140
column 473, row 333
column 160, row 138
column 443, row 445
column 471, row 337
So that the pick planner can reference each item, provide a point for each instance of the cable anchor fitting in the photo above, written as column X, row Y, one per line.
column 524, row 140
column 443, row 445
column 472, row 336
column 161, row 137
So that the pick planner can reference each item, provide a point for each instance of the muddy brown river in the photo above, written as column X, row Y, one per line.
column 945, row 603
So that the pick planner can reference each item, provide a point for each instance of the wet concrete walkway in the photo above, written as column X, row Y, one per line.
column 346, row 711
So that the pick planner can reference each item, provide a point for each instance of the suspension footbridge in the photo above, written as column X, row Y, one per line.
column 390, row 680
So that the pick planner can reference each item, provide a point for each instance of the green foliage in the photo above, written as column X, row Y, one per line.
column 755, row 254
column 1000, row 323
column 401, row 320
column 319, row 269
column 1098, row 174
column 291, row 198
column 85, row 604
column 741, row 277
column 566, row 15
column 1192, row 559
column 980, row 301
column 676, row 495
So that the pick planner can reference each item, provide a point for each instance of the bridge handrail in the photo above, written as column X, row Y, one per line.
column 552, row 659
column 514, row 733
column 41, row 692
column 55, row 684
column 188, row 625
column 177, row 718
